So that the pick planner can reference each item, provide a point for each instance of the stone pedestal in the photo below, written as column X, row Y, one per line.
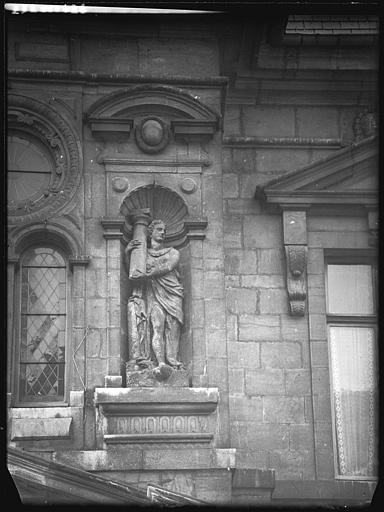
column 164, row 436
column 164, row 376
column 156, row 415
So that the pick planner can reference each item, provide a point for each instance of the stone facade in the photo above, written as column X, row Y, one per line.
column 255, row 334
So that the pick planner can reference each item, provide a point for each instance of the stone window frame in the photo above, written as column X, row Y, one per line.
column 348, row 257
column 17, row 329
column 56, row 237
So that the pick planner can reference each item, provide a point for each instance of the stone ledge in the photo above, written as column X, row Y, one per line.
column 39, row 413
column 137, row 401
column 129, row 458
column 173, row 437
column 322, row 492
column 40, row 428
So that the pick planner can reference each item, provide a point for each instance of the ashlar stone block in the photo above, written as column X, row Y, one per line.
column 273, row 301
column 240, row 261
column 283, row 409
column 262, row 231
column 263, row 381
column 281, row 355
column 271, row 261
column 241, row 301
column 236, row 380
column 297, row 382
column 230, row 186
column 246, row 408
column 244, row 355
column 259, row 328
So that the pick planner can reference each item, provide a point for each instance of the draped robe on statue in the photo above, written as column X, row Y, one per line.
column 161, row 289
column 164, row 289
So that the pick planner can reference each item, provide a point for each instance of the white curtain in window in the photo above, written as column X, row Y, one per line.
column 354, row 399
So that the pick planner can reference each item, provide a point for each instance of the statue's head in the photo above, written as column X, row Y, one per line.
column 156, row 230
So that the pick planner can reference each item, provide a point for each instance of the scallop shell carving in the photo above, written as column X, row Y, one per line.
column 163, row 203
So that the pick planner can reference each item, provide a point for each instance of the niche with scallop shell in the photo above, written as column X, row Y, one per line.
column 164, row 204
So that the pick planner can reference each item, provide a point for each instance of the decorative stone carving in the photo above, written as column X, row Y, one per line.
column 182, row 115
column 188, row 186
column 36, row 119
column 295, row 240
column 152, row 134
column 296, row 257
column 120, row 184
column 155, row 311
column 167, row 205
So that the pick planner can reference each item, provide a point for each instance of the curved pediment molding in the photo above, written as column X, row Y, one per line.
column 174, row 100
column 182, row 114
column 347, row 177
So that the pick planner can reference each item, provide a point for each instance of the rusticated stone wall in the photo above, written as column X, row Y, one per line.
column 278, row 372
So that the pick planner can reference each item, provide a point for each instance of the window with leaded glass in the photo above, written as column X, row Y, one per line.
column 42, row 330
column 351, row 317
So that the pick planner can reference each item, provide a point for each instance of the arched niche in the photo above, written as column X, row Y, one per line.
column 161, row 203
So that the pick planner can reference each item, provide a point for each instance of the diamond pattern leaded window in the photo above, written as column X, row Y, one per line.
column 42, row 329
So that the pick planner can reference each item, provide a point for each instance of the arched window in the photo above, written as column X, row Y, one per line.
column 42, row 325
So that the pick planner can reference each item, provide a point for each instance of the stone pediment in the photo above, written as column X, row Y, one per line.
column 347, row 177
column 184, row 115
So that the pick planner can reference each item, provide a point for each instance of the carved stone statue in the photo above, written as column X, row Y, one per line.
column 155, row 307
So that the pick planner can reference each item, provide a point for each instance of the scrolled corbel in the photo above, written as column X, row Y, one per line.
column 296, row 258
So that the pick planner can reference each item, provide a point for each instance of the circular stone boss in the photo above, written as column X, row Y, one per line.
column 152, row 132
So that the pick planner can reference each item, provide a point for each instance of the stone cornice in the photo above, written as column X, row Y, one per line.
column 239, row 141
column 166, row 437
column 155, row 401
column 83, row 77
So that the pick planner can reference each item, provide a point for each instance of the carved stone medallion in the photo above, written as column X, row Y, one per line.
column 152, row 134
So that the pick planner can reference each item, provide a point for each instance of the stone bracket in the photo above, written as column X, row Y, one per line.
column 112, row 227
column 194, row 130
column 295, row 245
column 79, row 259
column 107, row 129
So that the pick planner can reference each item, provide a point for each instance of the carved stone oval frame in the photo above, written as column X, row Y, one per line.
column 142, row 144
column 35, row 119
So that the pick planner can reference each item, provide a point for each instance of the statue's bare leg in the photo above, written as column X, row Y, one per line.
column 158, row 342
column 172, row 338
